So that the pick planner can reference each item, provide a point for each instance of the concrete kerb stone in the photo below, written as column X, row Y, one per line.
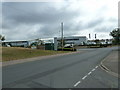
column 107, row 69
column 34, row 58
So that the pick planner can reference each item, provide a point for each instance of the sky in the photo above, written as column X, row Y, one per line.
column 32, row 20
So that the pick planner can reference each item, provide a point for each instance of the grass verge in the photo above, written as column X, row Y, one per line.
column 14, row 53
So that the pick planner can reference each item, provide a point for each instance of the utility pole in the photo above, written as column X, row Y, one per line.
column 62, row 35
column 95, row 36
column 89, row 36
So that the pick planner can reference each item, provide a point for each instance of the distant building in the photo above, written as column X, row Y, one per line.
column 101, row 41
column 106, row 41
column 15, row 43
column 76, row 40
column 89, row 42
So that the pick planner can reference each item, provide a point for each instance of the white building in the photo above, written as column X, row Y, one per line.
column 102, row 41
column 21, row 43
column 76, row 40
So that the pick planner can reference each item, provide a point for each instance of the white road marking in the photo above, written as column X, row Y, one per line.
column 93, row 69
column 77, row 83
column 89, row 73
column 96, row 67
column 84, row 77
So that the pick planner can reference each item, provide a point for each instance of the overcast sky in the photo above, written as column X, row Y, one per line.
column 30, row 20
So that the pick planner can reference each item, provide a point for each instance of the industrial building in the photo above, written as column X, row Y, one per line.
column 76, row 40
column 102, row 41
column 15, row 43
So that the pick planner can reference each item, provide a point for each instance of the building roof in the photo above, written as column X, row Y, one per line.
column 14, row 40
column 73, row 37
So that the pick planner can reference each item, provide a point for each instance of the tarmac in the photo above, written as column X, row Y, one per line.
column 110, row 63
column 34, row 58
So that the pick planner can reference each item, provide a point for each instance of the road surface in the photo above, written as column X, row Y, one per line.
column 79, row 70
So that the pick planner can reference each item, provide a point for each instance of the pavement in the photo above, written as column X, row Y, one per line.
column 110, row 63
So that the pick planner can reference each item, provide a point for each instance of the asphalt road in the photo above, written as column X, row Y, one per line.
column 80, row 70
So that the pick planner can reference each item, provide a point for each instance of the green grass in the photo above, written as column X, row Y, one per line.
column 14, row 53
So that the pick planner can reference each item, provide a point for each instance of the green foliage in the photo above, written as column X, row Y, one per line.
column 14, row 53
column 33, row 44
column 2, row 38
column 60, row 43
column 116, row 35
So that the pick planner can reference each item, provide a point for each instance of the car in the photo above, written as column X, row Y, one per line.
column 68, row 46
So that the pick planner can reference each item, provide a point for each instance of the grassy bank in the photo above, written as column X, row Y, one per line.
column 14, row 53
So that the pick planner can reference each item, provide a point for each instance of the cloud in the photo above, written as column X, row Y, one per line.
column 94, row 23
column 106, row 26
column 30, row 20
column 49, row 19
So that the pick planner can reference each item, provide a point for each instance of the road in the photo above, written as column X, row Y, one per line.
column 79, row 70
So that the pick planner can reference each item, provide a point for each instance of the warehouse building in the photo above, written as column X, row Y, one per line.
column 76, row 40
column 15, row 43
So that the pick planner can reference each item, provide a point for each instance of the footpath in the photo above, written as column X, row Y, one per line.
column 110, row 63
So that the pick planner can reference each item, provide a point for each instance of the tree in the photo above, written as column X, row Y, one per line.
column 2, row 38
column 39, row 41
column 116, row 35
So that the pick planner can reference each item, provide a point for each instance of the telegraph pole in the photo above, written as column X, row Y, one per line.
column 62, row 35
column 95, row 36
column 89, row 36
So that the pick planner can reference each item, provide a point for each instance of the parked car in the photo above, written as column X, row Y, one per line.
column 68, row 46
